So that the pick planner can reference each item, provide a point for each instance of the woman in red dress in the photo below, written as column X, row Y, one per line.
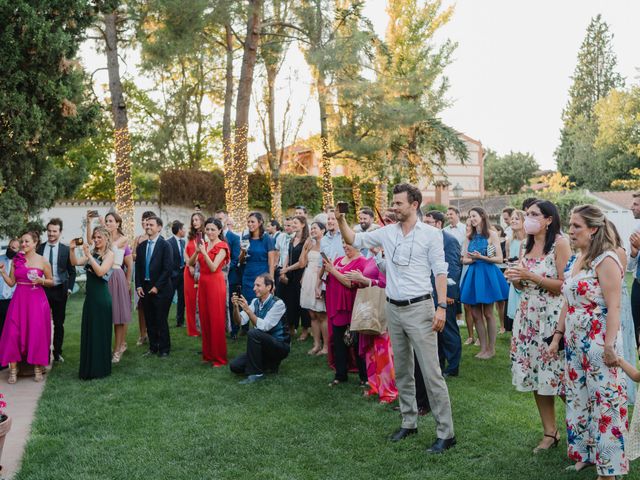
column 212, row 292
column 190, row 278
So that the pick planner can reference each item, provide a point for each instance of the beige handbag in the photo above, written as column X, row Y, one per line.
column 369, row 311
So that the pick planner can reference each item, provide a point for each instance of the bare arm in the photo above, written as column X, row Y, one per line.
column 347, row 233
column 608, row 272
column 107, row 263
column 215, row 263
column 128, row 262
column 9, row 279
column 629, row 369
column 304, row 256
column 273, row 261
column 339, row 276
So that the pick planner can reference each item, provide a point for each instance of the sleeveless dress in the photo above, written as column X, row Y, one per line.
column 26, row 335
column 536, row 319
column 514, row 296
column 256, row 262
column 190, row 293
column 483, row 283
column 96, row 331
column 596, row 398
column 119, row 290
column 212, row 305
column 308, row 298
column 291, row 290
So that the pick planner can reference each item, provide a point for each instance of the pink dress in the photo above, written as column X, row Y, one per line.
column 376, row 349
column 26, row 335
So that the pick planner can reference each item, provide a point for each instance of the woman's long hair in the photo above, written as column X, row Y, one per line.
column 305, row 228
column 521, row 216
column 118, row 220
column 107, row 239
column 548, row 210
column 484, row 230
column 192, row 231
column 605, row 238
column 258, row 216
column 218, row 225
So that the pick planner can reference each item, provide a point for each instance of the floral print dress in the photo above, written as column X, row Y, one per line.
column 532, row 370
column 596, row 394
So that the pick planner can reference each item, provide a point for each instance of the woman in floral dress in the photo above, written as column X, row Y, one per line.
column 539, row 279
column 595, row 385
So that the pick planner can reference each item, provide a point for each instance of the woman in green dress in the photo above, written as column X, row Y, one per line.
column 95, row 336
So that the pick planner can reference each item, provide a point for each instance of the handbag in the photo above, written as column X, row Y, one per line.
column 348, row 337
column 368, row 315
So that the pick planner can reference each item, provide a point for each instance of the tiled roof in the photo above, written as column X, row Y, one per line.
column 621, row 198
column 492, row 205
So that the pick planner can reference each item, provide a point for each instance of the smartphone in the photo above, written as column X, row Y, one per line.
column 93, row 213
column 324, row 256
column 237, row 290
column 343, row 207
column 198, row 238
column 79, row 241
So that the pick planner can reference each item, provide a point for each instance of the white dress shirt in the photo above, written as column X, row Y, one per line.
column 6, row 292
column 54, row 264
column 282, row 246
column 272, row 317
column 459, row 231
column 410, row 259
column 331, row 245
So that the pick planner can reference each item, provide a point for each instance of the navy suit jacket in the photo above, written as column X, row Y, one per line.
column 160, row 268
column 66, row 271
column 233, row 240
column 176, row 271
column 452, row 253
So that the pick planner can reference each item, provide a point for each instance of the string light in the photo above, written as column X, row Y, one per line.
column 276, row 197
column 325, row 169
column 238, row 196
column 227, row 152
column 124, row 186
column 381, row 196
column 357, row 193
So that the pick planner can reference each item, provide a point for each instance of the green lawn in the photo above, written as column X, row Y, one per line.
column 177, row 419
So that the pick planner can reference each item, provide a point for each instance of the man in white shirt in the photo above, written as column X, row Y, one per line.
column 455, row 226
column 331, row 243
column 413, row 251
column 506, row 222
column 365, row 224
column 268, row 342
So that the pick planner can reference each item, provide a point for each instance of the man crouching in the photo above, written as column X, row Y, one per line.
column 268, row 342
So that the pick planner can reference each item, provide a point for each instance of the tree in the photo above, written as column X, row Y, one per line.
column 618, row 118
column 44, row 109
column 509, row 173
column 593, row 78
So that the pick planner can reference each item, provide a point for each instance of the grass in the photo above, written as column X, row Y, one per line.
column 177, row 419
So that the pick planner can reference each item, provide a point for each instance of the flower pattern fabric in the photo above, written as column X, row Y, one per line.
column 532, row 370
column 596, row 394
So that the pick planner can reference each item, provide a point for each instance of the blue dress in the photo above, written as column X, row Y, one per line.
column 257, row 262
column 514, row 295
column 484, row 282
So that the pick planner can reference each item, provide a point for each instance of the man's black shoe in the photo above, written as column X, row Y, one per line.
column 440, row 445
column 148, row 353
column 163, row 354
column 422, row 411
column 453, row 373
column 402, row 434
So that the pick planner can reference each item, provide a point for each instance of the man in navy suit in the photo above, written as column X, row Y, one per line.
column 154, row 262
column 234, row 275
column 178, row 244
column 449, row 341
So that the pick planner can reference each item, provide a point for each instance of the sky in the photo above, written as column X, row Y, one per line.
column 510, row 75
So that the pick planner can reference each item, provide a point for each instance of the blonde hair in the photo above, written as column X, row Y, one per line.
column 604, row 239
column 107, row 239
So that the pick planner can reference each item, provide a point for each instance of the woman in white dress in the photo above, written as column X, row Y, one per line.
column 311, row 294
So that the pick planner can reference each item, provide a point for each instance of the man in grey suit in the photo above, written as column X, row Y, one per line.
column 64, row 277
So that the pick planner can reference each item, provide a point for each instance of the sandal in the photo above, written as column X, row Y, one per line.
column 469, row 341
column 556, row 440
column 334, row 383
column 314, row 351
column 574, row 468
column 13, row 375
column 37, row 370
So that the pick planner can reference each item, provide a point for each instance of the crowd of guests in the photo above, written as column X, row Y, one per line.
column 381, row 299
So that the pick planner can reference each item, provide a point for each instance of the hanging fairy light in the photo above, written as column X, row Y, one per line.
column 237, row 191
column 124, row 186
column 357, row 194
column 325, row 166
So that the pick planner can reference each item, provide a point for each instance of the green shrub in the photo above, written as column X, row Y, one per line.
column 191, row 187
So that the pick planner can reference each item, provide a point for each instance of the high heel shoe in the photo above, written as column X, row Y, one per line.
column 13, row 375
column 123, row 348
column 37, row 370
column 116, row 357
column 556, row 440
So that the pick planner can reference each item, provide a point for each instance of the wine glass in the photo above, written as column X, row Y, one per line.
column 33, row 275
column 244, row 245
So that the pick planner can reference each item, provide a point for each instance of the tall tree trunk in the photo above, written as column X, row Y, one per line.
column 325, row 162
column 124, row 187
column 413, row 159
column 275, row 160
column 357, row 194
column 227, row 151
column 382, row 195
column 240, row 200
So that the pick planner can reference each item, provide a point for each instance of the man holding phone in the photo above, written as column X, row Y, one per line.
column 414, row 251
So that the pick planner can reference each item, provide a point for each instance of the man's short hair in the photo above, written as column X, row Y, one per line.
column 157, row 219
column 454, row 209
column 176, row 226
column 224, row 212
column 288, row 219
column 275, row 223
column 508, row 210
column 527, row 202
column 55, row 221
column 267, row 279
column 413, row 193
column 636, row 195
column 367, row 211
column 301, row 207
column 437, row 215
column 148, row 214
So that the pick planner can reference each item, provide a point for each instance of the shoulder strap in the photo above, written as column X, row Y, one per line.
column 609, row 253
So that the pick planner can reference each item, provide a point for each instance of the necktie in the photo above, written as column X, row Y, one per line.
column 147, row 261
column 51, row 254
column 181, row 241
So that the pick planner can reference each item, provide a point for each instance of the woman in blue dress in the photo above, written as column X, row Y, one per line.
column 258, row 254
column 484, row 284
column 514, row 248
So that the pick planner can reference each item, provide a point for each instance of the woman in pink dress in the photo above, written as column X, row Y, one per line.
column 376, row 349
column 341, row 295
column 26, row 335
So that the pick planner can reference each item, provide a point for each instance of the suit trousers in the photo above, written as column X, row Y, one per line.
column 178, row 283
column 4, row 308
column 263, row 353
column 57, row 297
column 450, row 343
column 411, row 330
column 635, row 307
column 156, row 314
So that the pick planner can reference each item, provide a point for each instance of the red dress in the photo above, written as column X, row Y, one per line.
column 212, row 305
column 190, row 294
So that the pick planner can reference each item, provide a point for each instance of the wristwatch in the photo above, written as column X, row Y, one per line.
column 442, row 305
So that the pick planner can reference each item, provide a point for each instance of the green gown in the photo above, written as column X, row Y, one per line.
column 96, row 331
